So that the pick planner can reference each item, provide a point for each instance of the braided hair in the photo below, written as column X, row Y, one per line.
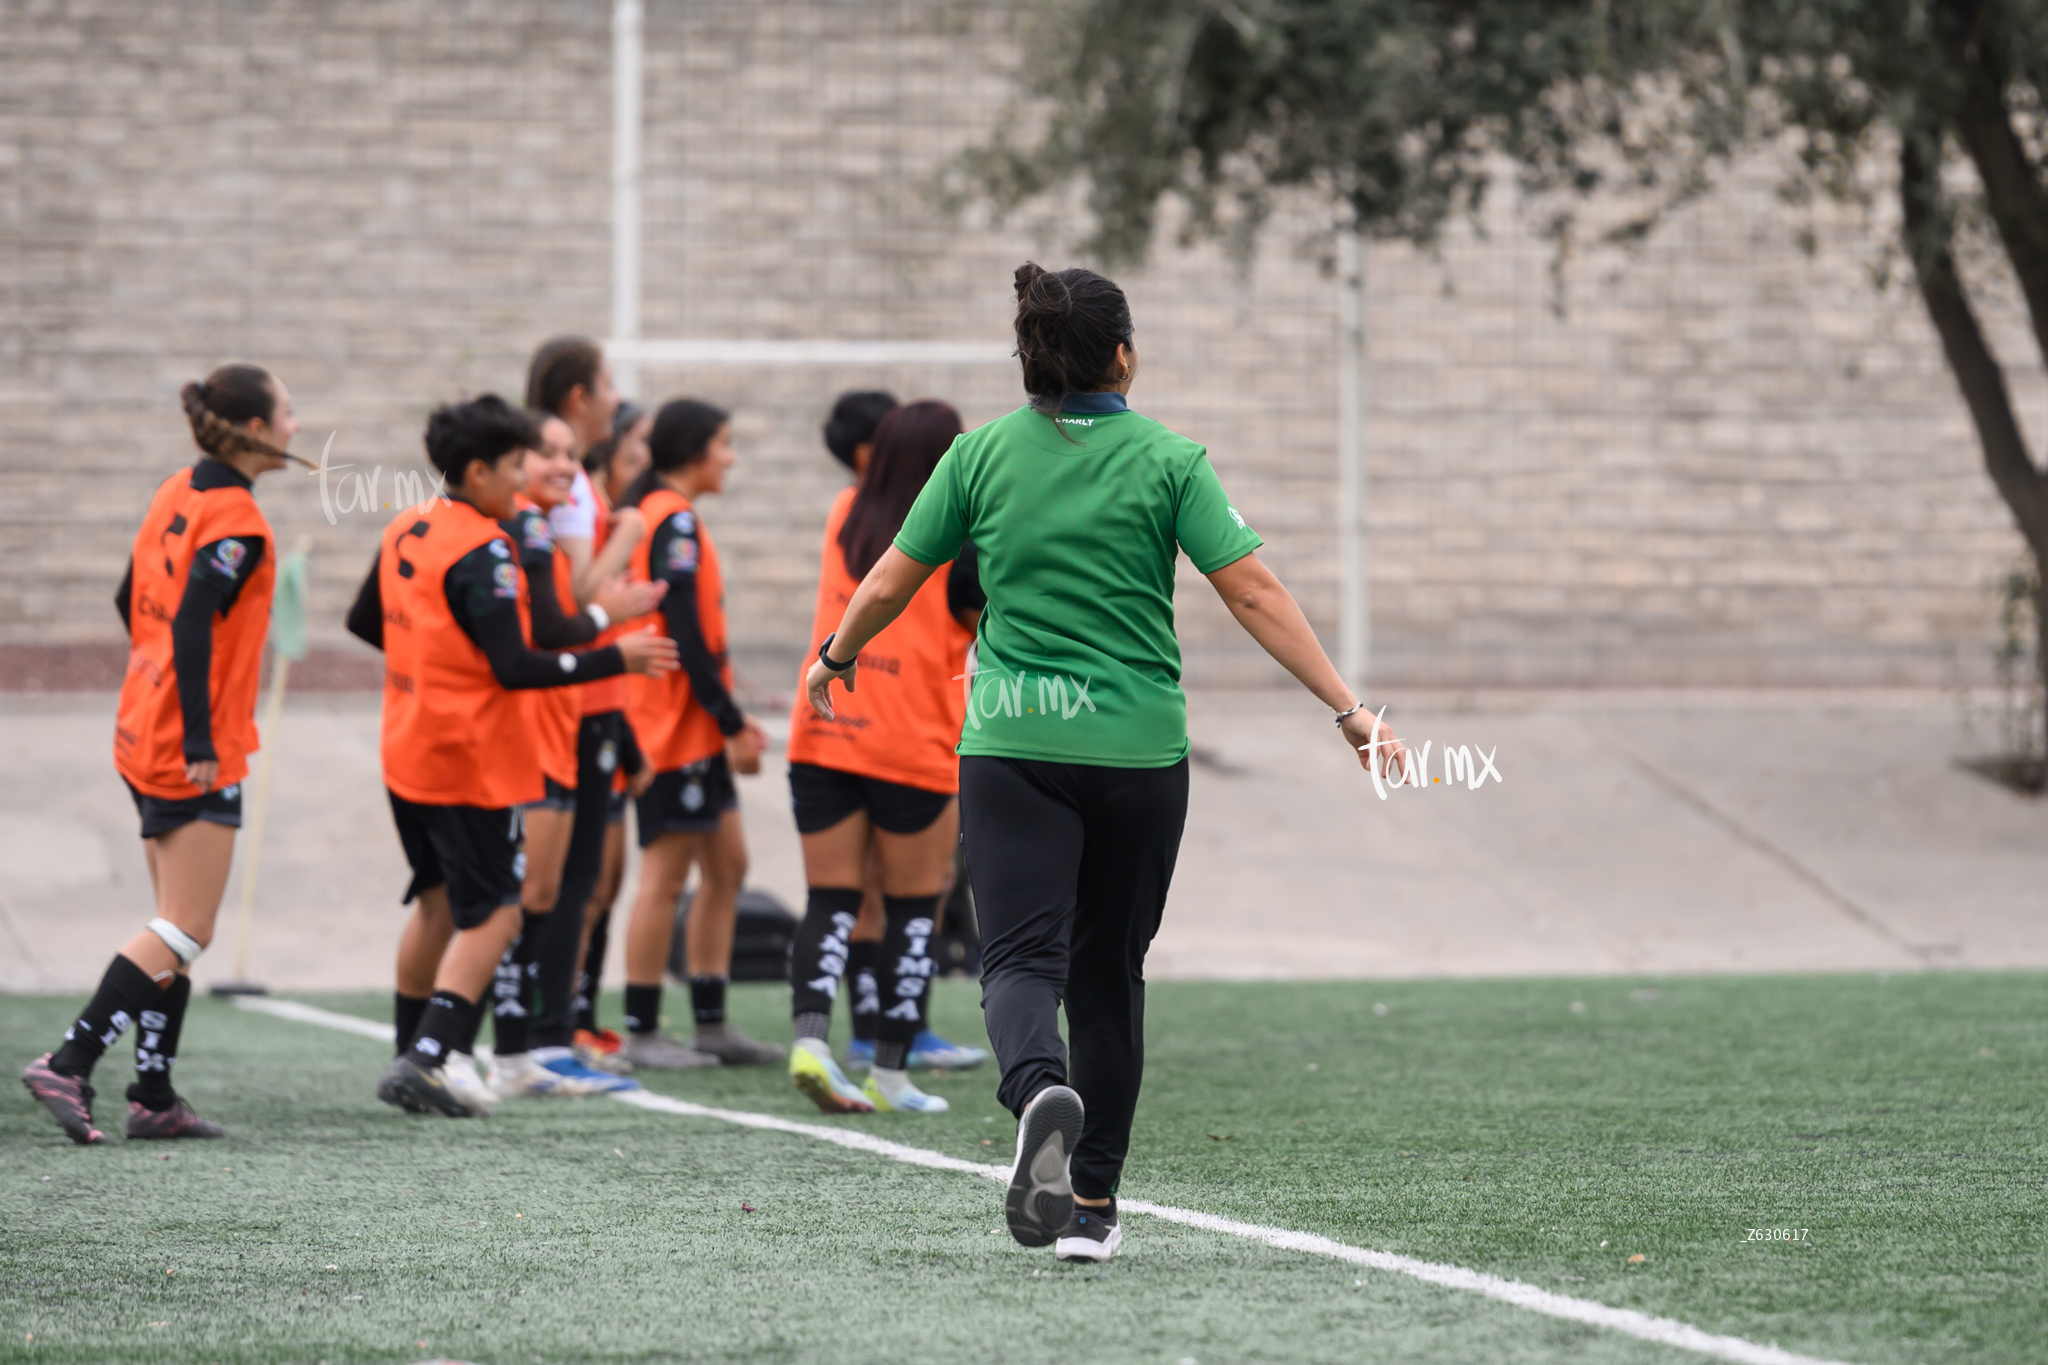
column 219, row 405
column 1069, row 324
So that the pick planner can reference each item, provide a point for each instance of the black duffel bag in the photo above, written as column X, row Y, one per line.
column 760, row 941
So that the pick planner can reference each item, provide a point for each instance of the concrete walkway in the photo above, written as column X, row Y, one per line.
column 1639, row 834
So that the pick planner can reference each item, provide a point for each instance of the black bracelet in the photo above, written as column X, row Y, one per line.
column 826, row 659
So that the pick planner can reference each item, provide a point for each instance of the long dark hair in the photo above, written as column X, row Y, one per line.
column 908, row 444
column 683, row 431
column 1069, row 324
column 218, row 406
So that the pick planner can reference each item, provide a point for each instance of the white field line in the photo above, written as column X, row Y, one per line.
column 1663, row 1331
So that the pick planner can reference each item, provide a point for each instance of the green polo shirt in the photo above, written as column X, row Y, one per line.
column 1078, row 521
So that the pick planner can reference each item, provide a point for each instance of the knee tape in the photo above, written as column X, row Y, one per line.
column 177, row 940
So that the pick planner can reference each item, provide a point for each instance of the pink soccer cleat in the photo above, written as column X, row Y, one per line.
column 178, row 1121
column 68, row 1098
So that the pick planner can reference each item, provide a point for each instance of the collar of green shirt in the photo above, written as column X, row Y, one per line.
column 1093, row 404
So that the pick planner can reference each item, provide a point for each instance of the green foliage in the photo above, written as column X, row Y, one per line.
column 1406, row 111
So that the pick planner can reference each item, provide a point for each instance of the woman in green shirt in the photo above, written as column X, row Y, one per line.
column 1073, row 768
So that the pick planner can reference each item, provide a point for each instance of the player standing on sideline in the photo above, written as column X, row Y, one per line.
column 850, row 437
column 694, row 736
column 1073, row 768
column 569, row 379
column 549, row 1067
column 612, row 465
column 196, row 603
column 882, row 766
column 447, row 603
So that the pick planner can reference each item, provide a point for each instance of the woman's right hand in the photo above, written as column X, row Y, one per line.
column 649, row 653
column 818, row 687
column 625, row 600
column 1358, row 733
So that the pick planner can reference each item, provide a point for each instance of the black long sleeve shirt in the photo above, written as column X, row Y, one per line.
column 673, row 554
column 219, row 569
column 488, row 614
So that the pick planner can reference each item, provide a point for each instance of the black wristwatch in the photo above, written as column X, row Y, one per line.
column 826, row 659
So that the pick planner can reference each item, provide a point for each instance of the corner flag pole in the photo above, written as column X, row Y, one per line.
column 288, row 641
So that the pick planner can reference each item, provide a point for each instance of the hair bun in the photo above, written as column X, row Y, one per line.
column 1041, row 293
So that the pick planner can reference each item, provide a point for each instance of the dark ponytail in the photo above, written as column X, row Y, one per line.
column 218, row 406
column 1069, row 324
column 683, row 431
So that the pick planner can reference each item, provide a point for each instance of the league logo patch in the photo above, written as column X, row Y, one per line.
column 506, row 580
column 1236, row 516
column 682, row 552
column 228, row 556
column 684, row 522
column 500, row 549
column 537, row 537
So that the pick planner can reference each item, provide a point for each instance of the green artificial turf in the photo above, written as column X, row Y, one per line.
column 1545, row 1131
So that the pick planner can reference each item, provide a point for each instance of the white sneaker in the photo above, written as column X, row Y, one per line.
column 1093, row 1234
column 518, row 1075
column 459, row 1071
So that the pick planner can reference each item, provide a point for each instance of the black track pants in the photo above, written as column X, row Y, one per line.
column 1070, row 865
column 561, row 935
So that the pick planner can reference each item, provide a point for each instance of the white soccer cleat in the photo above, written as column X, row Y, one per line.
column 460, row 1075
column 521, row 1076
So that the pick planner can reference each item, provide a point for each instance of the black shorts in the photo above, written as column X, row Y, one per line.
column 554, row 796
column 687, row 800
column 162, row 814
column 825, row 796
column 475, row 853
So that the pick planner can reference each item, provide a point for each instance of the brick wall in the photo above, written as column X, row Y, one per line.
column 1726, row 462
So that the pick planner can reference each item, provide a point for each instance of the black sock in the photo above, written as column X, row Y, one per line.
column 406, row 1011
column 817, row 954
column 707, row 1000
column 472, row 1024
column 1107, row 1213
column 905, row 975
column 864, row 987
column 156, row 1047
column 593, row 973
column 125, row 992
column 817, row 1026
column 448, row 1017
column 643, row 1008
column 512, row 987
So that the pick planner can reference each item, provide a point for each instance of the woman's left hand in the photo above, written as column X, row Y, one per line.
column 818, row 686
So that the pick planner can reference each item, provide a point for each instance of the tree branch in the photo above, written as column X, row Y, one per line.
column 1929, row 236
column 2012, row 188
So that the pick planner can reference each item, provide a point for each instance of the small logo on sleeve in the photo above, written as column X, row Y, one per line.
column 504, row 580
column 682, row 552
column 228, row 557
column 1236, row 516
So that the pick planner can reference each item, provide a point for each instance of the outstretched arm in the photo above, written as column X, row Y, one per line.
column 1270, row 615
column 880, row 599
